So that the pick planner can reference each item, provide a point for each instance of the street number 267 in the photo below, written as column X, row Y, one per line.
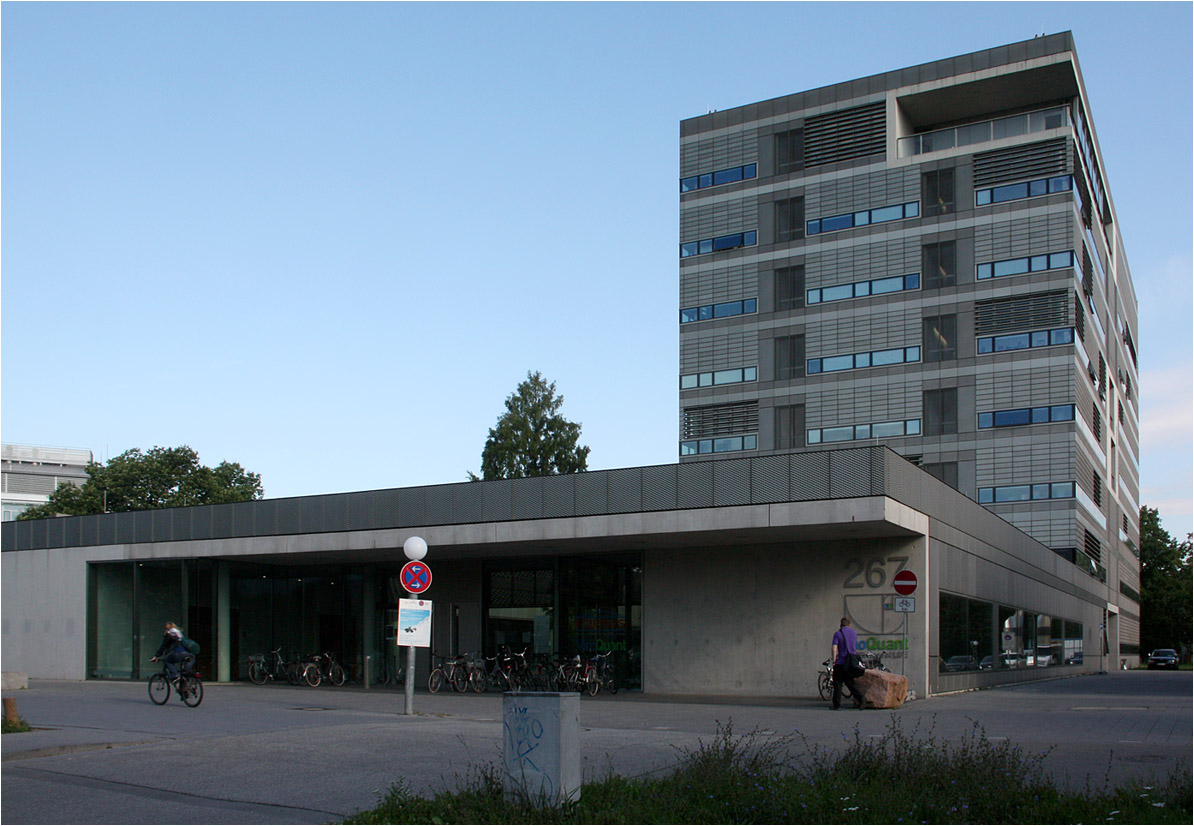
column 873, row 571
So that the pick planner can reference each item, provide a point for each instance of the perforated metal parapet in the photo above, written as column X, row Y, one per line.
column 793, row 477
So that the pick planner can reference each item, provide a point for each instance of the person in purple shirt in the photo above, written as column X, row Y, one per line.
column 845, row 642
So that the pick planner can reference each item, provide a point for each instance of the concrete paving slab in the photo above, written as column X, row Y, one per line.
column 102, row 753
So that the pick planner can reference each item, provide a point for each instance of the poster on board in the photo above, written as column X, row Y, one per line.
column 414, row 622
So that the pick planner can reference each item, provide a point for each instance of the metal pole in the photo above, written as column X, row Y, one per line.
column 368, row 669
column 410, row 679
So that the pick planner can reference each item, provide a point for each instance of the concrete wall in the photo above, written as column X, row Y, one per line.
column 758, row 620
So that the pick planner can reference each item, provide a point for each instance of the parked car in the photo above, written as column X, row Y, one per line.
column 962, row 662
column 1163, row 658
column 986, row 663
column 1074, row 659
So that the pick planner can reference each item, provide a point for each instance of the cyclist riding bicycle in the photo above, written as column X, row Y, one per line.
column 175, row 654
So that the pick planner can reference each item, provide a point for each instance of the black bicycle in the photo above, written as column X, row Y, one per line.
column 272, row 666
column 188, row 685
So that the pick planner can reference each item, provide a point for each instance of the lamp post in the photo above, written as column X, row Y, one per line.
column 415, row 549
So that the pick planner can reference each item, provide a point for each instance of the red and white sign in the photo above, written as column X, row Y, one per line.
column 416, row 577
column 904, row 583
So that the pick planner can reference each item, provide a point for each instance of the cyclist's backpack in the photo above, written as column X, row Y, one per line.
column 190, row 645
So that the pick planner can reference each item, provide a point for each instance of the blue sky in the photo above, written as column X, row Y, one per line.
column 327, row 241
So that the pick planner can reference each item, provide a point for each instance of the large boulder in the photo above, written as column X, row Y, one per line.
column 882, row 689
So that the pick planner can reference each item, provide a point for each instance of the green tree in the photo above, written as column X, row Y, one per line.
column 163, row 477
column 531, row 438
column 1166, row 586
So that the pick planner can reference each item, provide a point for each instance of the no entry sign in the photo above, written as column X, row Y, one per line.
column 416, row 577
column 904, row 583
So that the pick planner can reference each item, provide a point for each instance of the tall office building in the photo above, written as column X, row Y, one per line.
column 927, row 258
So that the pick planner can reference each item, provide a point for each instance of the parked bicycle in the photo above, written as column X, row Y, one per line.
column 273, row 666
column 188, row 686
column 825, row 676
column 454, row 671
column 320, row 667
column 500, row 675
column 606, row 677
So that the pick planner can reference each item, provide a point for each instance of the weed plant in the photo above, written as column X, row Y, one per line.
column 14, row 728
column 901, row 777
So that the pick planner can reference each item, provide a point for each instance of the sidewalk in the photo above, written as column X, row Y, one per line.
column 103, row 753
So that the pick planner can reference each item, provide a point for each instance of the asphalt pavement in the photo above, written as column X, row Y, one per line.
column 101, row 752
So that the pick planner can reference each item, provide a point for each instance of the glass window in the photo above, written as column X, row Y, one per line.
column 982, row 197
column 983, row 271
column 814, row 296
column 727, row 176
column 883, row 358
column 706, row 446
column 727, row 376
column 937, row 188
column 1063, row 336
column 1040, row 491
column 750, row 373
column 789, row 151
column 986, row 496
column 1062, row 413
column 837, row 434
column 750, row 170
column 750, row 305
column 727, row 444
column 814, row 437
column 1009, row 192
column 729, row 308
column 706, row 379
column 862, row 289
column 688, row 448
column 1016, row 266
column 688, row 184
column 862, row 360
column 837, row 363
column 837, row 222
column 1038, row 262
column 727, row 242
column 1037, row 188
column 750, row 238
column 887, row 285
column 888, row 429
column 912, row 210
column 689, row 248
column 706, row 246
column 837, row 293
column 1059, row 260
column 689, row 315
column 861, row 219
column 911, row 354
column 986, row 345
column 1040, row 415
column 912, row 428
column 814, row 227
column 1062, row 490
column 1040, row 338
column 941, row 338
column 986, row 420
column 1016, row 341
column 814, row 365
column 912, row 281
column 862, row 431
column 891, row 213
column 1012, row 493
column 706, row 180
column 1062, row 183
column 789, row 357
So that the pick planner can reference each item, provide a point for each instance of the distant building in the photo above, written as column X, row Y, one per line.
column 31, row 473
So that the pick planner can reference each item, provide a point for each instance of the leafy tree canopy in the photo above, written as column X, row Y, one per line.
column 531, row 438
column 1166, row 586
column 163, row 477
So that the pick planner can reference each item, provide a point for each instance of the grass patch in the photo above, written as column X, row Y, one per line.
column 13, row 728
column 902, row 777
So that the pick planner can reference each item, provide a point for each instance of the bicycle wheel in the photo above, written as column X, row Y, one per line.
column 159, row 689
column 435, row 681
column 311, row 675
column 294, row 673
column 191, row 690
column 610, row 684
column 336, row 675
column 379, row 674
column 459, row 680
column 824, row 686
column 476, row 680
column 258, row 673
column 592, row 685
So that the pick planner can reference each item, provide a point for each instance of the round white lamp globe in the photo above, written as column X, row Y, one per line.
column 415, row 548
